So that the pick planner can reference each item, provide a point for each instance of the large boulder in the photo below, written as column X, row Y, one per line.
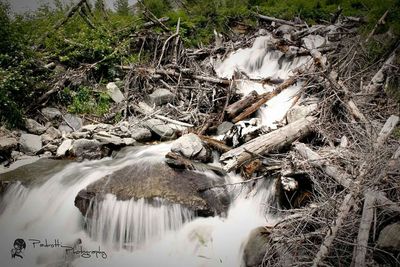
column 64, row 148
column 389, row 237
column 50, row 135
column 34, row 127
column 86, row 149
column 191, row 147
column 30, row 143
column 255, row 248
column 140, row 134
column 150, row 180
column 160, row 97
column 7, row 145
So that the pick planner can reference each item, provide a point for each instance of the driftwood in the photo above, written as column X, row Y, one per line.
column 152, row 23
column 267, row 142
column 379, row 78
column 387, row 130
column 363, row 232
column 235, row 108
column 217, row 145
column 264, row 98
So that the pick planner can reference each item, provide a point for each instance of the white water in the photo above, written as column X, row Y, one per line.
column 136, row 233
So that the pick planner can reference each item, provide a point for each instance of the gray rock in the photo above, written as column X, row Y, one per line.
column 150, row 180
column 161, row 129
column 64, row 147
column 50, row 148
column 7, row 144
column 30, row 143
column 224, row 127
column 160, row 97
column 389, row 237
column 114, row 92
column 80, row 135
column 96, row 127
column 71, row 121
column 140, row 134
column 300, row 112
column 130, row 141
column 255, row 249
column 50, row 134
column 284, row 29
column 34, row 127
column 191, row 146
column 106, row 138
column 86, row 149
column 51, row 113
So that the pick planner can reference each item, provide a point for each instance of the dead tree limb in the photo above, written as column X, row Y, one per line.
column 344, row 210
column 381, row 21
column 379, row 78
column 267, row 142
column 279, row 21
column 235, row 108
column 387, row 130
column 264, row 98
column 363, row 232
column 317, row 161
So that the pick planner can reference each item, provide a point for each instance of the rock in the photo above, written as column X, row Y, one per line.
column 80, row 135
column 389, row 237
column 313, row 41
column 50, row 135
column 130, row 141
column 224, row 127
column 114, row 92
column 284, row 29
column 96, row 127
column 152, row 179
column 161, row 129
column 106, row 139
column 71, row 121
column 140, row 134
column 34, row 127
column 255, row 249
column 7, row 144
column 86, row 149
column 30, row 143
column 160, row 97
column 51, row 113
column 300, row 112
column 50, row 148
column 191, row 147
column 64, row 147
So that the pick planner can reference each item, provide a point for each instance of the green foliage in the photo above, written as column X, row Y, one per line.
column 122, row 7
column 85, row 101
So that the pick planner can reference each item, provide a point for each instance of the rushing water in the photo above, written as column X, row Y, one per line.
column 135, row 232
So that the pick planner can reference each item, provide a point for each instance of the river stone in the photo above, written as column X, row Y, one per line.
column 161, row 129
column 51, row 113
column 64, row 147
column 106, row 139
column 70, row 121
column 114, row 92
column 140, row 134
column 191, row 147
column 86, row 149
column 34, row 127
column 255, row 249
column 160, row 97
column 30, row 143
column 149, row 180
column 50, row 135
column 389, row 237
column 7, row 144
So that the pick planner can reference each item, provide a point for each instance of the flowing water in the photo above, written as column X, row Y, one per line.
column 135, row 232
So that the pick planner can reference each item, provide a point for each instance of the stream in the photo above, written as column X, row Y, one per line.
column 136, row 232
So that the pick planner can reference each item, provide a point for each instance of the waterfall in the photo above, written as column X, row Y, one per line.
column 139, row 232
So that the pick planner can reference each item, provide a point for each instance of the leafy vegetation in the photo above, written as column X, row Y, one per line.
column 98, row 40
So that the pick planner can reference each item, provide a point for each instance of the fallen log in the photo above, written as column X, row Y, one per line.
column 217, row 145
column 267, row 142
column 279, row 21
column 235, row 108
column 387, row 130
column 264, row 98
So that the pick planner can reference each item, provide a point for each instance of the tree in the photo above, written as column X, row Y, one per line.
column 122, row 7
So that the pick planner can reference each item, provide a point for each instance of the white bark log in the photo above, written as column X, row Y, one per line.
column 265, row 143
column 387, row 130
